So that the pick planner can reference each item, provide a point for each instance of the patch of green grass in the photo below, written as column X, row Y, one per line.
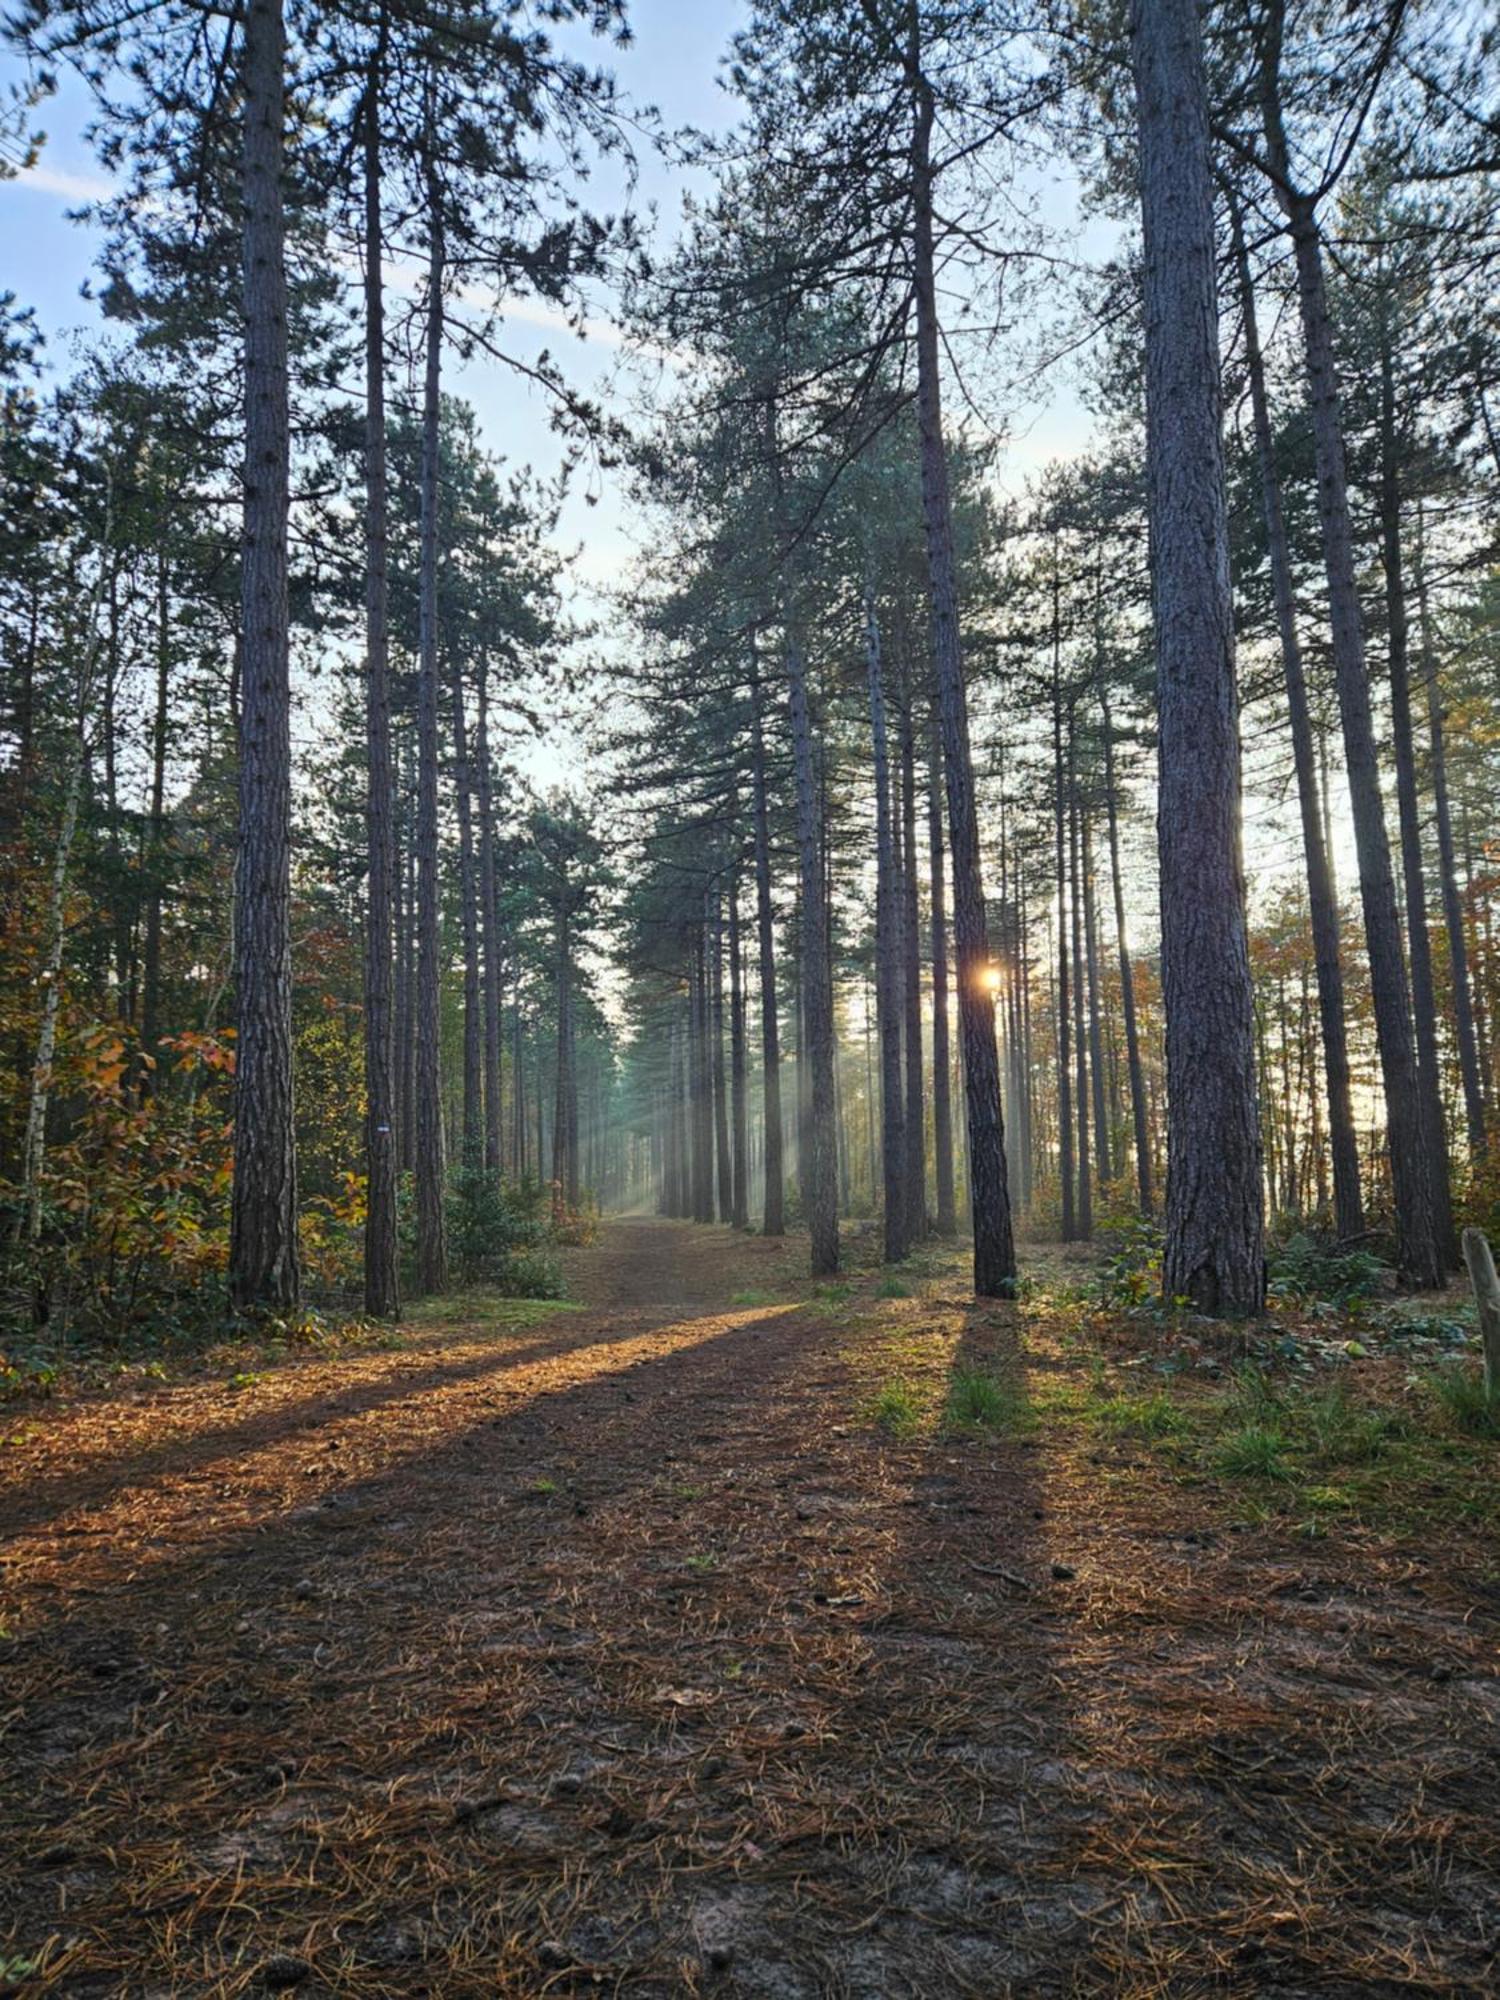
column 1253, row 1451
column 751, row 1298
column 1345, row 1434
column 981, row 1400
column 485, row 1310
column 1155, row 1416
column 892, row 1288
column 1460, row 1395
column 243, row 1378
column 705, row 1561
column 896, row 1408
column 543, row 1488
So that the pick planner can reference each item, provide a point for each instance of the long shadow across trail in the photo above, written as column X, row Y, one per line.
column 358, row 1386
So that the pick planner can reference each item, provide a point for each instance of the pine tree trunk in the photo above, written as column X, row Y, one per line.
column 1348, row 1204
column 1403, row 743
column 818, row 1165
column 1138, row 1114
column 1103, row 1160
column 773, row 1220
column 1064, row 1003
column 887, row 998
column 994, row 1246
column 432, row 1237
column 382, row 1290
column 716, row 1053
column 1419, row 1251
column 942, row 1102
column 565, row 1164
column 156, row 834
column 263, row 1255
column 468, row 903
column 1214, row 1244
column 1080, row 1043
column 489, row 893
column 1453, row 910
column 911, row 969
column 740, row 1203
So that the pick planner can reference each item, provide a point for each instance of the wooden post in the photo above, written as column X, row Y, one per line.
column 1487, row 1297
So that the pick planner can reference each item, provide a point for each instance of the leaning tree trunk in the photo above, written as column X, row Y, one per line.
column 942, row 1102
column 994, row 1244
column 1214, row 1250
column 382, row 1289
column 263, row 1258
column 773, row 1217
column 887, row 998
column 1348, row 1204
column 1418, row 1249
column 432, row 1236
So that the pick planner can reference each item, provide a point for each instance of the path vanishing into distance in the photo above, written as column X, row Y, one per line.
column 613, row 1647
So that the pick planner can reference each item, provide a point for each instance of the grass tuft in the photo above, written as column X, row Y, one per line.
column 896, row 1408
column 1460, row 1392
column 978, row 1400
column 1254, row 1451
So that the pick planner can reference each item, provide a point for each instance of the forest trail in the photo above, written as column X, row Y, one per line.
column 619, row 1651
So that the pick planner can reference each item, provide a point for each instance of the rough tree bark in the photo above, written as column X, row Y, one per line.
column 1453, row 909
column 817, row 1166
column 432, row 1236
column 1214, row 1251
column 773, row 1217
column 942, row 1102
column 1138, row 1117
column 1348, row 1202
column 740, row 1207
column 382, row 1288
column 489, row 891
column 887, row 998
column 994, row 1244
column 263, row 1258
column 1408, row 806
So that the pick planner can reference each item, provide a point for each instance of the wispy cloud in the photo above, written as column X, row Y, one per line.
column 65, row 187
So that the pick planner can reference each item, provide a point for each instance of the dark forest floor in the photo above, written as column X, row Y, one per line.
column 677, row 1644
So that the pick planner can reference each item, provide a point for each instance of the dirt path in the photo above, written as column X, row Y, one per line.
column 619, row 1654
